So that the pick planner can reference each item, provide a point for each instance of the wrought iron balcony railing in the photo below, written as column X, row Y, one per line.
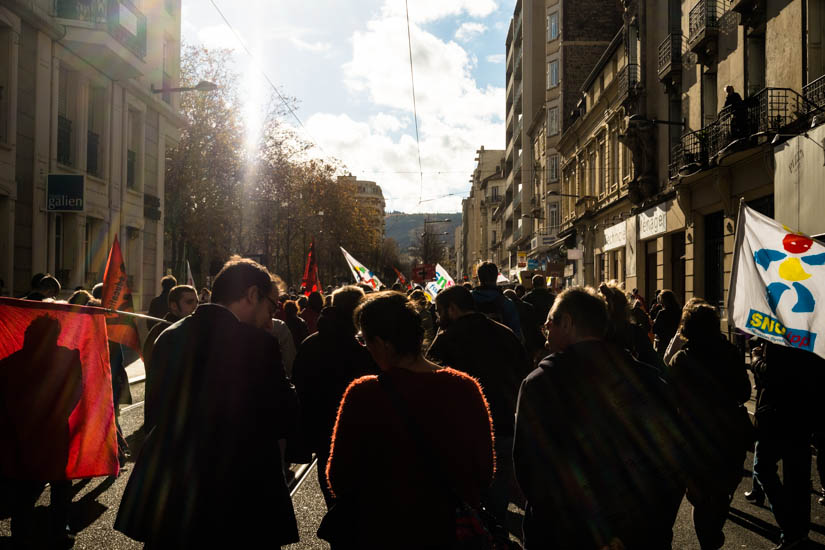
column 670, row 54
column 124, row 21
column 703, row 21
column 815, row 93
column 628, row 79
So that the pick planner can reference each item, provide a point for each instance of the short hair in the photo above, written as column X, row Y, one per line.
column 48, row 284
column 668, row 299
column 729, row 89
column 346, row 299
column 97, row 291
column 539, row 281
column 520, row 290
column 618, row 308
column 80, row 297
column 290, row 308
column 389, row 315
column 458, row 296
column 586, row 309
column 510, row 294
column 302, row 302
column 700, row 325
column 692, row 303
column 177, row 292
column 487, row 273
column 167, row 282
column 315, row 301
column 36, row 278
column 236, row 277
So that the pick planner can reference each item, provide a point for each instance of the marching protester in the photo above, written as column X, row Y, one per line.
column 489, row 352
column 490, row 300
column 296, row 324
column 624, row 333
column 540, row 297
column 326, row 363
column 427, row 433
column 596, row 444
column 666, row 321
column 159, row 306
column 312, row 310
column 530, row 324
column 710, row 385
column 44, row 287
column 219, row 405
column 183, row 300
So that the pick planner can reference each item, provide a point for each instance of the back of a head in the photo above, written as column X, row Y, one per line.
column 302, row 302
column 236, row 277
column 36, row 278
column 346, row 299
column 168, row 282
column 458, row 296
column 315, row 301
column 700, row 326
column 539, row 281
column 520, row 291
column 393, row 318
column 587, row 310
column 366, row 288
column 80, row 297
column 48, row 286
column 668, row 299
column 176, row 293
column 97, row 291
column 511, row 294
column 290, row 308
column 487, row 274
column 618, row 308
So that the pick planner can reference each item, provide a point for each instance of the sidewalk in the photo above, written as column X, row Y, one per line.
column 135, row 370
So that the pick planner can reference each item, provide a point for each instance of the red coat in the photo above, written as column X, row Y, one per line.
column 374, row 457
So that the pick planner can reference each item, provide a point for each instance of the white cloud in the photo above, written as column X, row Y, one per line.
column 496, row 58
column 469, row 30
column 425, row 11
column 218, row 36
column 384, row 123
column 310, row 46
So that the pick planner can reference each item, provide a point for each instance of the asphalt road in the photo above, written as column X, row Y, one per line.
column 95, row 507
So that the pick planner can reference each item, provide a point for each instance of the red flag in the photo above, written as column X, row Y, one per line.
column 401, row 278
column 57, row 419
column 310, row 282
column 116, row 295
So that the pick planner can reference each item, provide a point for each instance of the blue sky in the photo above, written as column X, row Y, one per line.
column 348, row 65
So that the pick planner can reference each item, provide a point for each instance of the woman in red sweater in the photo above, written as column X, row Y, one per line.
column 376, row 464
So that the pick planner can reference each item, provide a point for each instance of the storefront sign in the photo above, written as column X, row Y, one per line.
column 575, row 254
column 64, row 193
column 569, row 270
column 615, row 236
column 652, row 222
column 532, row 263
column 521, row 257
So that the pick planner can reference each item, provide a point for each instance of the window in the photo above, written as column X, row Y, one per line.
column 552, row 26
column 553, row 169
column 553, row 74
column 600, row 176
column 134, row 151
column 5, row 80
column 170, row 52
column 64, row 123
column 94, row 132
column 613, row 153
column 553, row 217
column 553, row 121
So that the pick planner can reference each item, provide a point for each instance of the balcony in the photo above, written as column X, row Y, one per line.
column 111, row 34
column 93, row 154
column 519, row 90
column 517, row 166
column 517, row 200
column 770, row 111
column 743, row 6
column 517, row 34
column 670, row 57
column 704, row 25
column 814, row 93
column 517, row 132
column 518, row 64
column 628, row 80
column 517, row 231
column 495, row 199
column 64, row 140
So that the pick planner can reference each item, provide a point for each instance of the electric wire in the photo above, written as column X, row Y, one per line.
column 266, row 77
column 415, row 108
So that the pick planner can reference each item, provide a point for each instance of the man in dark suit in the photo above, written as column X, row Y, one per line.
column 159, row 306
column 218, row 407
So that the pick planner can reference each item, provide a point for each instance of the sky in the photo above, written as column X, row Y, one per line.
column 347, row 63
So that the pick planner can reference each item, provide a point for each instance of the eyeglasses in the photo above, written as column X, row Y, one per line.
column 360, row 338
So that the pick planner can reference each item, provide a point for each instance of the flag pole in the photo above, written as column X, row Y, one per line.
column 737, row 246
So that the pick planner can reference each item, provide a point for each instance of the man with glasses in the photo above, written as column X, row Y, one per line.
column 220, row 403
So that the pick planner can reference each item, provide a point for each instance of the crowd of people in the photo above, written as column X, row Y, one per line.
column 590, row 410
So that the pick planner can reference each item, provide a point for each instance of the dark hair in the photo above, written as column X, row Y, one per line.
column 346, row 299
column 302, row 302
column 176, row 294
column 458, row 295
column 236, row 277
column 315, row 301
column 97, row 291
column 48, row 284
column 539, row 281
column 668, row 299
column 290, row 308
column 389, row 315
column 618, row 310
column 700, row 326
column 520, row 290
column 80, row 297
column 36, row 278
column 168, row 282
column 487, row 273
column 587, row 309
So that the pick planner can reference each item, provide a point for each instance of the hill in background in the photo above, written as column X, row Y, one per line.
column 404, row 227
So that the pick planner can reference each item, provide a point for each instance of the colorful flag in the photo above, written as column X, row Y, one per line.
column 310, row 282
column 57, row 418
column 116, row 295
column 778, row 283
column 189, row 279
column 442, row 278
column 501, row 279
column 361, row 273
column 401, row 278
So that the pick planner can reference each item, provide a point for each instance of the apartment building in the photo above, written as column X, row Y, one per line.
column 368, row 195
column 479, row 232
column 83, row 138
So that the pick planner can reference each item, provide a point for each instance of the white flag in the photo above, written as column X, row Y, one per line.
column 442, row 278
column 778, row 283
column 189, row 279
column 361, row 273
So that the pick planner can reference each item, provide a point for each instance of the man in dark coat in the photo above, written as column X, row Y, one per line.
column 596, row 442
column 183, row 299
column 159, row 306
column 219, row 406
column 326, row 363
column 540, row 298
column 490, row 299
column 488, row 351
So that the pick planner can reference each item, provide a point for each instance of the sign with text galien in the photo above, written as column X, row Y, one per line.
column 64, row 193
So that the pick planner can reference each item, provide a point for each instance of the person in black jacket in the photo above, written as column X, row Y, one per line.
column 596, row 448
column 488, row 351
column 710, row 385
column 326, row 363
column 219, row 406
column 159, row 306
column 540, row 297
column 666, row 322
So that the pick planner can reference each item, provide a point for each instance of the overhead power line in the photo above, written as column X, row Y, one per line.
column 415, row 108
column 266, row 77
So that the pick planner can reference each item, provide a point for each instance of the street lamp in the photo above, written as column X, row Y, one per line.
column 202, row 86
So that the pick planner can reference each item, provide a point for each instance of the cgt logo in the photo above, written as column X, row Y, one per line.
column 770, row 326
